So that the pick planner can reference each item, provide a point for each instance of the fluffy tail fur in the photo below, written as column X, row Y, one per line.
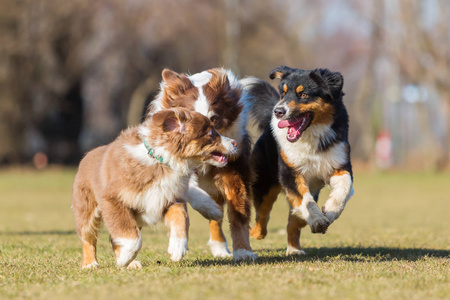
column 262, row 98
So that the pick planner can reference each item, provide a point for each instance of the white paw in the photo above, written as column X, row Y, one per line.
column 341, row 192
column 129, row 248
column 134, row 265
column 310, row 212
column 294, row 251
column 319, row 224
column 242, row 254
column 93, row 265
column 331, row 210
column 177, row 248
column 219, row 249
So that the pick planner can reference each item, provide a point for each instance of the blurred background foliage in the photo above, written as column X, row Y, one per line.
column 74, row 73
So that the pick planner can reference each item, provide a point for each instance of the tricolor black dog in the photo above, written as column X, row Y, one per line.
column 304, row 146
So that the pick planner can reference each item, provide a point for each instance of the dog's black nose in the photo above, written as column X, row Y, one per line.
column 279, row 112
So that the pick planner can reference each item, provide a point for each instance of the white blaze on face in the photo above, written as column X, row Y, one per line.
column 199, row 80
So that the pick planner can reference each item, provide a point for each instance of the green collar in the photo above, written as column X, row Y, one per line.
column 152, row 154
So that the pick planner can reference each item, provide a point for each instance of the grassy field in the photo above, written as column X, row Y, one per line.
column 392, row 242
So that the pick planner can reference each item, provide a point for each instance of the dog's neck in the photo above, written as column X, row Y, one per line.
column 150, row 152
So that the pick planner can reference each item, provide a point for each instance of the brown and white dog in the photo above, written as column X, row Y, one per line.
column 141, row 178
column 217, row 94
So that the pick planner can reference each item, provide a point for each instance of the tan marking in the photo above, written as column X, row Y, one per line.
column 215, row 229
column 285, row 159
column 295, row 200
column 259, row 230
column 177, row 219
column 278, row 75
column 340, row 173
column 293, row 231
column 292, row 104
column 300, row 89
column 301, row 184
column 285, row 88
column 323, row 111
column 89, row 255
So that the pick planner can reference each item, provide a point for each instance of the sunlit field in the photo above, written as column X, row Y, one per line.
column 392, row 242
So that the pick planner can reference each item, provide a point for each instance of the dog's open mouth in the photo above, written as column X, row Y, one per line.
column 219, row 157
column 296, row 126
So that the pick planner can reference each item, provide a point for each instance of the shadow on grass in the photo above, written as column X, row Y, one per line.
column 325, row 254
column 50, row 232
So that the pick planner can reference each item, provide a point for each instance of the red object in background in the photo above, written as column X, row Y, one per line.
column 383, row 150
column 40, row 160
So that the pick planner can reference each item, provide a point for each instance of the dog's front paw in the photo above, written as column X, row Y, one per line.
column 93, row 265
column 319, row 224
column 258, row 232
column 294, row 251
column 332, row 210
column 219, row 249
column 177, row 248
column 242, row 254
column 134, row 265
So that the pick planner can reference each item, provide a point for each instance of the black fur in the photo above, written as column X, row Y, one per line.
column 264, row 165
column 268, row 165
column 263, row 98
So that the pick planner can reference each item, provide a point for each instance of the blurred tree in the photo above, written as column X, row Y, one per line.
column 74, row 73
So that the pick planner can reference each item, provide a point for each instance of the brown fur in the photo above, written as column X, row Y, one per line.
column 109, row 178
column 323, row 111
column 259, row 231
column 232, row 182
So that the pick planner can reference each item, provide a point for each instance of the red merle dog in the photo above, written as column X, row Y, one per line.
column 219, row 95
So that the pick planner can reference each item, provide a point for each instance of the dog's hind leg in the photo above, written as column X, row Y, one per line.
column 177, row 220
column 265, row 187
column 126, row 238
column 87, row 220
column 263, row 207
column 294, row 227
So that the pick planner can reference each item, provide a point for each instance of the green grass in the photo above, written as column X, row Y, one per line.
column 392, row 242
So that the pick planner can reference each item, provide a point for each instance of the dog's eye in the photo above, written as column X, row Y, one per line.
column 303, row 95
column 214, row 119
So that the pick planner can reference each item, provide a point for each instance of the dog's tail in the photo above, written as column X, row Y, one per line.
column 262, row 97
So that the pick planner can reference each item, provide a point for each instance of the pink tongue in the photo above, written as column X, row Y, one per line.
column 219, row 158
column 286, row 123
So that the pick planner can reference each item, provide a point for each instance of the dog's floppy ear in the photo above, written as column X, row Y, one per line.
column 330, row 81
column 219, row 80
column 280, row 72
column 175, row 84
column 170, row 120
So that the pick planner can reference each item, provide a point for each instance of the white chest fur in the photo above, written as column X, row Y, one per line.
column 305, row 157
column 151, row 204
